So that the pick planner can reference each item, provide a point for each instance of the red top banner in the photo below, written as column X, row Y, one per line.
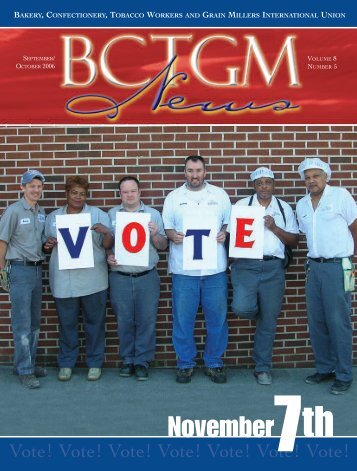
column 188, row 76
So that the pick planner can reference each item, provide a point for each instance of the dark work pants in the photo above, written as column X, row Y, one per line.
column 135, row 302
column 258, row 288
column 329, row 311
column 93, row 310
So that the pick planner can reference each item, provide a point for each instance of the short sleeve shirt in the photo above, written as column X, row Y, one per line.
column 180, row 202
column 155, row 217
column 22, row 228
column 79, row 281
column 327, row 228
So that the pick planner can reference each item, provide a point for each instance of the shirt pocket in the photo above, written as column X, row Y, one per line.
column 328, row 212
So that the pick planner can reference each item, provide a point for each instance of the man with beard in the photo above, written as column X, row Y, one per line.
column 190, row 287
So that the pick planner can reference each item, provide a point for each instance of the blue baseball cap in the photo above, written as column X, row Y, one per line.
column 28, row 176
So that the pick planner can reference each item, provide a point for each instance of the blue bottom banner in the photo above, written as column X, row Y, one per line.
column 171, row 453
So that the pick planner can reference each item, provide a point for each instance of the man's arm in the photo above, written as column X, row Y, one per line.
column 174, row 236
column 108, row 239
column 287, row 238
column 159, row 241
column 222, row 234
column 353, row 229
column 48, row 245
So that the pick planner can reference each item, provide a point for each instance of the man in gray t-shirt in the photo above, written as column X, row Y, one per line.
column 135, row 291
column 21, row 237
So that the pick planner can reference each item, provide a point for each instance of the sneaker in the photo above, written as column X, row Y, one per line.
column 94, row 374
column 263, row 377
column 127, row 370
column 141, row 373
column 29, row 381
column 217, row 375
column 319, row 378
column 183, row 375
column 39, row 372
column 340, row 387
column 65, row 374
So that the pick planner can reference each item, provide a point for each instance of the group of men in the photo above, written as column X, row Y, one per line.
column 326, row 215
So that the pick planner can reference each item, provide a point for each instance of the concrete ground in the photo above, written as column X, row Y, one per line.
column 115, row 406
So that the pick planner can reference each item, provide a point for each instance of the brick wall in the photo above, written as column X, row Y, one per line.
column 155, row 154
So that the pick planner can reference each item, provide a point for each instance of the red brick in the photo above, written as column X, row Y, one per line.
column 156, row 154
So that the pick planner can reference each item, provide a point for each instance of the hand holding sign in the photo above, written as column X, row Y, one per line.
column 49, row 244
column 178, row 237
column 100, row 228
column 154, row 230
column 221, row 237
column 112, row 260
column 269, row 223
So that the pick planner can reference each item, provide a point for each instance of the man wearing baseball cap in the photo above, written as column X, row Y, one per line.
column 259, row 285
column 21, row 237
column 328, row 217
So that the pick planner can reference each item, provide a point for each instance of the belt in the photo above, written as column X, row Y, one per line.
column 270, row 257
column 326, row 260
column 134, row 275
column 26, row 263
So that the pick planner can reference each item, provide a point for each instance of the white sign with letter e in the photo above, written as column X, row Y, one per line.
column 132, row 239
column 74, row 237
column 247, row 232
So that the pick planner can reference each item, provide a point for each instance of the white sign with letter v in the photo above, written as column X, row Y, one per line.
column 74, row 237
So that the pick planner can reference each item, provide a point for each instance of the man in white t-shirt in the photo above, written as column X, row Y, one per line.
column 190, row 287
column 328, row 217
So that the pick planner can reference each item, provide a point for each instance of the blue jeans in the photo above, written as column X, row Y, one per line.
column 329, row 318
column 25, row 297
column 187, row 292
column 93, row 309
column 135, row 302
